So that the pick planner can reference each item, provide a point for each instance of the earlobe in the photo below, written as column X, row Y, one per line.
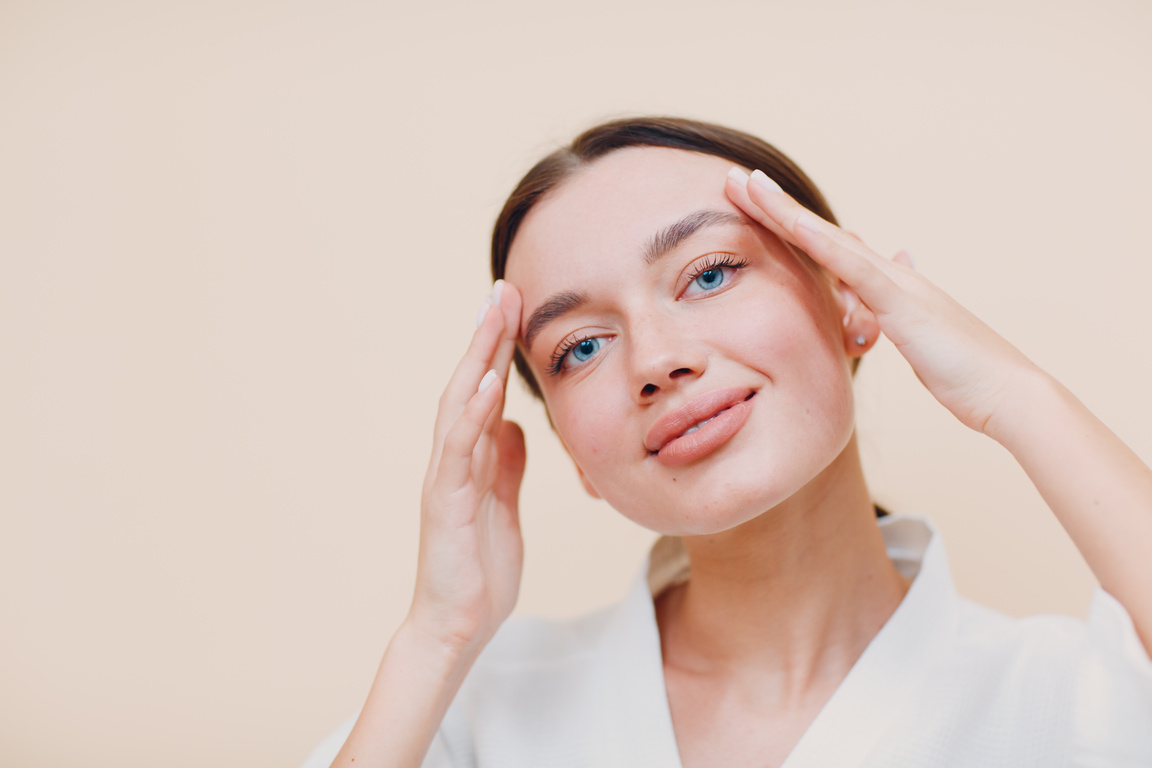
column 859, row 327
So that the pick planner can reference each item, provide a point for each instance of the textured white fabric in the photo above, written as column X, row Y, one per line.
column 944, row 683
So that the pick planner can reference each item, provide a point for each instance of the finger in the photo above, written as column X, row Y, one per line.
column 872, row 284
column 471, row 368
column 785, row 212
column 491, row 431
column 454, row 468
column 510, row 306
column 502, row 358
column 904, row 258
column 513, row 458
column 737, row 189
column 763, row 199
column 842, row 253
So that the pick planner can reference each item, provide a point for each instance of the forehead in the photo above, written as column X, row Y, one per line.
column 610, row 210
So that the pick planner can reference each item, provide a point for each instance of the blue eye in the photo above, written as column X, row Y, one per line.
column 585, row 349
column 714, row 273
column 710, row 278
column 576, row 354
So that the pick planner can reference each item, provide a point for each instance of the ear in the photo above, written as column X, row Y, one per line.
column 858, row 323
column 584, row 481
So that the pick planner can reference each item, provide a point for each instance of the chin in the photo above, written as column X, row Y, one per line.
column 718, row 496
column 684, row 510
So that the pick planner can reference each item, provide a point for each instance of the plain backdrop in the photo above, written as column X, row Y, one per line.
column 243, row 242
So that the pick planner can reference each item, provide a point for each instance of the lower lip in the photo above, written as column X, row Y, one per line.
column 696, row 445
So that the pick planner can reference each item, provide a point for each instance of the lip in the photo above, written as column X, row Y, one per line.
column 727, row 410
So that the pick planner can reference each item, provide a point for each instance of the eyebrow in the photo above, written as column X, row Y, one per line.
column 666, row 240
column 556, row 306
column 661, row 244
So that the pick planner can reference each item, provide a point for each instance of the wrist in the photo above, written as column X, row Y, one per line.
column 1030, row 396
column 415, row 684
column 446, row 643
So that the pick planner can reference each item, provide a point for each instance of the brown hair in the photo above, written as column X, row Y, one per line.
column 673, row 132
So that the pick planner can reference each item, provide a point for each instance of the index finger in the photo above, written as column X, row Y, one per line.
column 870, row 275
column 490, row 349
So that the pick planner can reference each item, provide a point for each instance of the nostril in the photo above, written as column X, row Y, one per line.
column 679, row 372
column 649, row 390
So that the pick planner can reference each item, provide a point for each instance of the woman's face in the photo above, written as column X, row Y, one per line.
column 651, row 305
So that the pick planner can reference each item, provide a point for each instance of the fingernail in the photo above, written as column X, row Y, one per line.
column 497, row 292
column 737, row 175
column 483, row 313
column 762, row 179
column 911, row 258
column 487, row 381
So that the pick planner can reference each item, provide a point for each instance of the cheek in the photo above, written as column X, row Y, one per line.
column 584, row 427
column 785, row 326
column 791, row 336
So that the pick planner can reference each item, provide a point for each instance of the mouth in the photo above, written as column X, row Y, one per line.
column 696, row 427
column 699, row 427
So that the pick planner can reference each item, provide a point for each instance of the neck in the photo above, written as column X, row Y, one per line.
column 796, row 593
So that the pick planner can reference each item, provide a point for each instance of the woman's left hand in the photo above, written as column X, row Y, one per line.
column 966, row 365
column 1099, row 490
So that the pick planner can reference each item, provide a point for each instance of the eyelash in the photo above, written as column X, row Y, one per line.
column 556, row 367
column 714, row 261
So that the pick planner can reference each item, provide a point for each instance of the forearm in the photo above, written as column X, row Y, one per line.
column 1098, row 488
column 416, row 681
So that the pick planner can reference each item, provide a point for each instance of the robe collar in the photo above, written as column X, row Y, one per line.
column 861, row 710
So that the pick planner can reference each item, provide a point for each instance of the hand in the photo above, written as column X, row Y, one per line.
column 471, row 552
column 966, row 365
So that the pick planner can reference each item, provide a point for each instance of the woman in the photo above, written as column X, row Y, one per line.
column 692, row 331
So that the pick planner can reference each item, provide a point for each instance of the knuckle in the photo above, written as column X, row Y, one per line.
column 445, row 398
column 455, row 442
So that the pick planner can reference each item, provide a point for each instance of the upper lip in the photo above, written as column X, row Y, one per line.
column 700, row 408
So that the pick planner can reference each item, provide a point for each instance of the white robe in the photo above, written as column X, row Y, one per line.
column 945, row 682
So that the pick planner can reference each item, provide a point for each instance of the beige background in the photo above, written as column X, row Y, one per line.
column 242, row 244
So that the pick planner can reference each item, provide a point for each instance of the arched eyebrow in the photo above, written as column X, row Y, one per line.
column 557, row 305
column 666, row 240
column 661, row 243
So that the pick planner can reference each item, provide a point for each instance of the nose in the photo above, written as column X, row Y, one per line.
column 662, row 358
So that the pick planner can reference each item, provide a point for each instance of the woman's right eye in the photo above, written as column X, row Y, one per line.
column 576, row 353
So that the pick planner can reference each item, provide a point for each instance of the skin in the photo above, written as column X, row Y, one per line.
column 772, row 326
column 790, row 579
column 789, row 576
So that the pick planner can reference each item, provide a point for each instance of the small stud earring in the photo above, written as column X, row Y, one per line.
column 861, row 340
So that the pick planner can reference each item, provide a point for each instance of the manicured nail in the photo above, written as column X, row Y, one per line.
column 762, row 179
column 737, row 175
column 911, row 259
column 483, row 313
column 487, row 381
column 497, row 292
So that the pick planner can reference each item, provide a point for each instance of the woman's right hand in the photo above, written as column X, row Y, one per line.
column 471, row 552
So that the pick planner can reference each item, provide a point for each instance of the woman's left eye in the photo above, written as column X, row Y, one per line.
column 712, row 275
